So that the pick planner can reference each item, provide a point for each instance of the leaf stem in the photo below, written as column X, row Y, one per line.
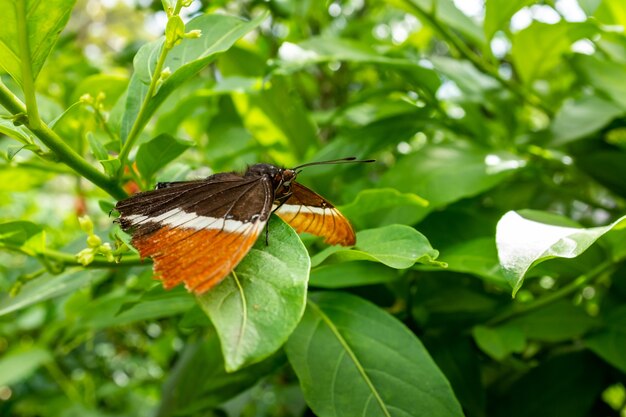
column 62, row 150
column 562, row 292
column 28, row 79
column 139, row 122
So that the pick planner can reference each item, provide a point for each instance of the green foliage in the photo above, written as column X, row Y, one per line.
column 488, row 274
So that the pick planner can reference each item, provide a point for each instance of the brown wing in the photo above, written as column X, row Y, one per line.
column 197, row 232
column 306, row 211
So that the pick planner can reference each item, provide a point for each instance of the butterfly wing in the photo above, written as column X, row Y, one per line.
column 306, row 211
column 197, row 232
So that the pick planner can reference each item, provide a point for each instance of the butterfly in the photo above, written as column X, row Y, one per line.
column 196, row 232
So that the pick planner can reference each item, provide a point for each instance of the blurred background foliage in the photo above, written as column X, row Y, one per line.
column 471, row 108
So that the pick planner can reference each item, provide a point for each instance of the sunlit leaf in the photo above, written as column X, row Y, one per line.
column 527, row 238
column 44, row 22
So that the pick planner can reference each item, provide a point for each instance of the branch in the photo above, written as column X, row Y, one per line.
column 562, row 292
column 64, row 152
column 139, row 123
column 69, row 259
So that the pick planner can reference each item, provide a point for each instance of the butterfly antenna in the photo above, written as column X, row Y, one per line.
column 348, row 160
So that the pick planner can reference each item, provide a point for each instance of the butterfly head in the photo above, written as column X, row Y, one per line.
column 280, row 177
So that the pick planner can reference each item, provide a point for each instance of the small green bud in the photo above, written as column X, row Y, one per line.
column 86, row 99
column 186, row 3
column 85, row 256
column 94, row 241
column 166, row 73
column 86, row 224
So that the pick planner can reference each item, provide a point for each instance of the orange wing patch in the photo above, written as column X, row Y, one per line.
column 199, row 258
column 307, row 211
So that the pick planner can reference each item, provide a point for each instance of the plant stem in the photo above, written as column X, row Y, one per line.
column 62, row 150
column 69, row 259
column 563, row 292
column 139, row 122
column 28, row 79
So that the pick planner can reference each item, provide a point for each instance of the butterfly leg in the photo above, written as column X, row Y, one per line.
column 280, row 200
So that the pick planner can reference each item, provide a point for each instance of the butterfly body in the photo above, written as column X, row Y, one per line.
column 197, row 232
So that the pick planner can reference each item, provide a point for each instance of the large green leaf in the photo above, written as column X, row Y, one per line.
column 158, row 152
column 532, row 62
column 354, row 359
column 199, row 382
column 499, row 342
column 383, row 206
column 396, row 246
column 19, row 233
column 219, row 33
column 255, row 309
column 445, row 173
column 21, row 363
column 527, row 237
column 44, row 22
column 606, row 76
column 49, row 286
column 610, row 342
column 582, row 117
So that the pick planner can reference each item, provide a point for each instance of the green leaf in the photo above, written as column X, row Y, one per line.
column 353, row 359
column 383, row 206
column 582, row 117
column 477, row 256
column 219, row 33
column 198, row 382
column 18, row 233
column 255, row 310
column 499, row 342
column 351, row 274
column 444, row 12
column 48, row 286
column 19, row 133
column 20, row 363
column 556, row 39
column 158, row 152
column 604, row 75
column 44, row 22
column 448, row 172
column 323, row 49
column 610, row 343
column 526, row 238
column 469, row 80
column 119, row 309
column 458, row 358
column 275, row 125
column 499, row 12
column 396, row 246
